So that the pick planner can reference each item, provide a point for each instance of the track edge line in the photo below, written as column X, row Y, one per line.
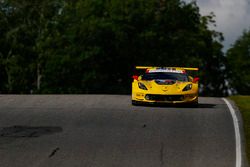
column 237, row 133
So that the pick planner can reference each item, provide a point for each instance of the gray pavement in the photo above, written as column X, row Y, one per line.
column 107, row 131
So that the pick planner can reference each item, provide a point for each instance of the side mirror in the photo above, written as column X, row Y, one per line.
column 135, row 77
column 196, row 79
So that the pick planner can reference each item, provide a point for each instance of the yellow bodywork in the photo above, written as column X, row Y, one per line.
column 160, row 93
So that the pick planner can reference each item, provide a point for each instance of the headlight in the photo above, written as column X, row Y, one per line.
column 142, row 86
column 188, row 87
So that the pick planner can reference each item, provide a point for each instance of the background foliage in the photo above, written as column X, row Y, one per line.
column 238, row 65
column 92, row 46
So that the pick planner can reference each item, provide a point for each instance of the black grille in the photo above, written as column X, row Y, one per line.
column 164, row 97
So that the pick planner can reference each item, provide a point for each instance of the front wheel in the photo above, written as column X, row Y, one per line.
column 135, row 103
column 194, row 104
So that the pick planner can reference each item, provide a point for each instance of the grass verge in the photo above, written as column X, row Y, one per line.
column 243, row 102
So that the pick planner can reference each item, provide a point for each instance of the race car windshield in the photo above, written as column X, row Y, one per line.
column 168, row 76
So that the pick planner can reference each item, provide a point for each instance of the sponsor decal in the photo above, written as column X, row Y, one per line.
column 165, row 70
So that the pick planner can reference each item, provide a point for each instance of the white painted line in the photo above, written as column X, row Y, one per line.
column 237, row 133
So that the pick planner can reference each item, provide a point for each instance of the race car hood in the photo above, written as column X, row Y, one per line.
column 165, row 86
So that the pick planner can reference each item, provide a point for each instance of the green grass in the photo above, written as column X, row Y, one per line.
column 243, row 102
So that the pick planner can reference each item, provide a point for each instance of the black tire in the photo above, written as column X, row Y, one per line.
column 195, row 104
column 135, row 103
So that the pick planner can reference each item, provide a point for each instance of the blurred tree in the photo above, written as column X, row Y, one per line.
column 92, row 46
column 238, row 63
column 26, row 26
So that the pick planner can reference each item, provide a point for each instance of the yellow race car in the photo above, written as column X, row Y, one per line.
column 165, row 85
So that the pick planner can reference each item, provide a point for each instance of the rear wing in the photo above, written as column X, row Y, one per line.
column 140, row 70
column 179, row 68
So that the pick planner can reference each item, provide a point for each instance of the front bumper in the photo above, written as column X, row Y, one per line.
column 159, row 98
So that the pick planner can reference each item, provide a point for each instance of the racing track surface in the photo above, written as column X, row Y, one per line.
column 106, row 131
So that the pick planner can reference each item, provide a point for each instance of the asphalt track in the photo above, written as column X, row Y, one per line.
column 107, row 131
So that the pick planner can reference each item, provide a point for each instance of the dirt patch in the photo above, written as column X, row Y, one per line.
column 28, row 131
